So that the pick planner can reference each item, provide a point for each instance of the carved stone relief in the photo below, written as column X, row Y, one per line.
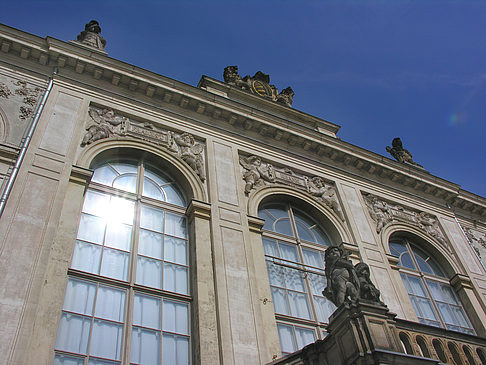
column 259, row 84
column 478, row 242
column 257, row 173
column 30, row 96
column 383, row 213
column 106, row 123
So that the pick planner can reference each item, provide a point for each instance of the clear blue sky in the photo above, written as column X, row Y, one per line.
column 379, row 69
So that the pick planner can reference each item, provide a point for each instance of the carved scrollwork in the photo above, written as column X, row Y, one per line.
column 30, row 96
column 383, row 213
column 106, row 123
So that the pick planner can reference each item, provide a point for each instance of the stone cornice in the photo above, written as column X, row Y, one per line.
column 247, row 115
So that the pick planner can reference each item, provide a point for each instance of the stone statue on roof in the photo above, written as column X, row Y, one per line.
column 401, row 154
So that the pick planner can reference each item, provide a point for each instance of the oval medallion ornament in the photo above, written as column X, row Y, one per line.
column 259, row 88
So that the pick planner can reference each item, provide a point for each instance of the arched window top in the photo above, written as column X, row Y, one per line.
column 412, row 257
column 126, row 175
column 288, row 220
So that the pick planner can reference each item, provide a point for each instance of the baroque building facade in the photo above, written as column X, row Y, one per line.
column 147, row 221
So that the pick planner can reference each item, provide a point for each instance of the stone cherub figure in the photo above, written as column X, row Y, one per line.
column 367, row 290
column 256, row 172
column 286, row 96
column 400, row 153
column 318, row 188
column 191, row 152
column 342, row 281
column 91, row 35
column 347, row 283
column 102, row 125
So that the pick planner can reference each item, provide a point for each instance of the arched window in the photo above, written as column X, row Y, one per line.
column 294, row 245
column 432, row 297
column 128, row 294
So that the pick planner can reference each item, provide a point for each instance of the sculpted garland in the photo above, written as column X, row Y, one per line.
column 257, row 173
column 105, row 123
column 29, row 95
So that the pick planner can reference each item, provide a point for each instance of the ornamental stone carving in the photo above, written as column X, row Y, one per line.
column 257, row 173
column 383, row 213
column 106, row 123
column 401, row 154
column 259, row 84
column 29, row 95
column 90, row 36
column 347, row 283
column 478, row 242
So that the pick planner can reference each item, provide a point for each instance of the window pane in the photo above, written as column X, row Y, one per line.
column 150, row 244
column 106, row 339
column 114, row 264
column 145, row 347
column 67, row 360
column 93, row 361
column 126, row 182
column 317, row 283
column 104, row 175
column 175, row 278
column 276, row 275
column 79, row 296
column 426, row 309
column 73, row 333
column 313, row 258
column 176, row 317
column 91, row 229
column 175, row 250
column 118, row 235
column 304, row 336
column 263, row 214
column 283, row 226
column 175, row 225
column 270, row 247
column 324, row 308
column 417, row 286
column 279, row 299
column 288, row 252
column 299, row 305
column 86, row 257
column 152, row 190
column 287, row 339
column 304, row 231
column 110, row 303
column 294, row 279
column 121, row 211
column 152, row 218
column 149, row 272
column 174, row 196
column 146, row 311
column 175, row 349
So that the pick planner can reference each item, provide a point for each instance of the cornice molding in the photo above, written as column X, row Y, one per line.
column 300, row 132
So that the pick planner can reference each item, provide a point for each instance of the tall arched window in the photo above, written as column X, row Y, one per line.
column 294, row 245
column 432, row 297
column 128, row 294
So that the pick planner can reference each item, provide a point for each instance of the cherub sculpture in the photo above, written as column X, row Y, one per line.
column 342, row 281
column 286, row 96
column 367, row 290
column 91, row 35
column 400, row 153
column 102, row 125
column 191, row 152
column 255, row 172
column 379, row 211
column 327, row 193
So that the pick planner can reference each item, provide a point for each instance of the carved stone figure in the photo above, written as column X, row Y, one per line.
column 379, row 211
column 400, row 153
column 91, row 35
column 367, row 290
column 191, row 153
column 342, row 280
column 478, row 241
column 286, row 96
column 102, row 125
column 255, row 172
column 318, row 188
column 231, row 76
column 4, row 91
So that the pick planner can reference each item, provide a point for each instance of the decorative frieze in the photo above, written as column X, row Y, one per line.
column 106, row 123
column 257, row 173
column 383, row 213
column 478, row 242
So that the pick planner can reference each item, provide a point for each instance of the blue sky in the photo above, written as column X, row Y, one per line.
column 379, row 69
